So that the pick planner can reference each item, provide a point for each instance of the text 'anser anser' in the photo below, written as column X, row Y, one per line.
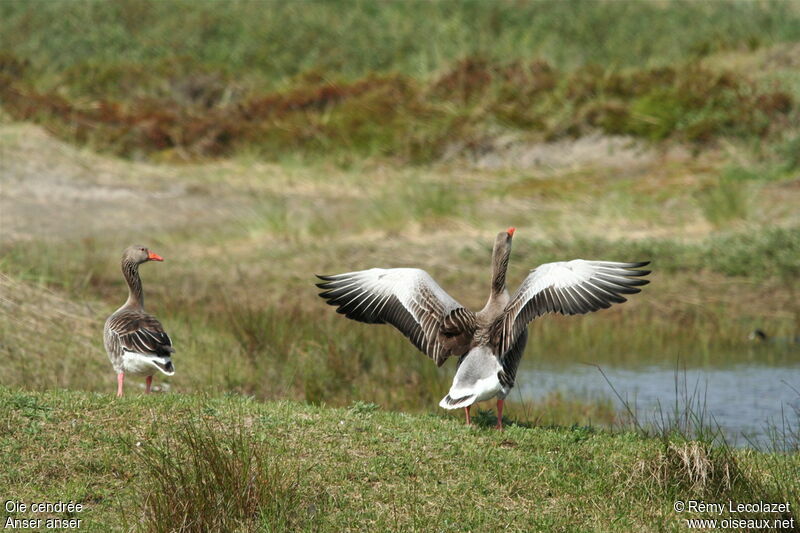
column 489, row 343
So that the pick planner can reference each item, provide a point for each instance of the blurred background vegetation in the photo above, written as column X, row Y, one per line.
column 254, row 144
column 412, row 79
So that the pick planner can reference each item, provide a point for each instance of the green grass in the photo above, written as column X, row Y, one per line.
column 275, row 40
column 411, row 80
column 465, row 110
column 195, row 463
column 213, row 476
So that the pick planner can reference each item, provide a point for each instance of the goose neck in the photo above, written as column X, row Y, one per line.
column 130, row 270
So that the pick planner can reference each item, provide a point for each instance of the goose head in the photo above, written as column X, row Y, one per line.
column 137, row 255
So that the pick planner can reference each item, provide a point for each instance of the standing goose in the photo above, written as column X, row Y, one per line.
column 489, row 343
column 135, row 341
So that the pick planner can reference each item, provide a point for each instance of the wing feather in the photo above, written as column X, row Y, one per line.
column 407, row 298
column 136, row 331
column 569, row 288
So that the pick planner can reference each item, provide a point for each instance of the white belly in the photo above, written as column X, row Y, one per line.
column 487, row 388
column 142, row 365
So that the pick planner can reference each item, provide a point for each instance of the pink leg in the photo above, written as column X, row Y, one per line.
column 148, row 381
column 500, row 414
column 466, row 410
column 120, row 380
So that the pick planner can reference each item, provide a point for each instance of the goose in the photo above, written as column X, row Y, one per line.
column 135, row 341
column 488, row 343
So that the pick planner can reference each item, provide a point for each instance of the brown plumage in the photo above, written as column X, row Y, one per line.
column 489, row 343
column 135, row 341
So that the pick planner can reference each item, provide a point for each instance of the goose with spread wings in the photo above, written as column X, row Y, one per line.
column 488, row 343
column 135, row 341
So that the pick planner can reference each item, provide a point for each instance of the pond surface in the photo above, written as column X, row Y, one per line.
column 742, row 399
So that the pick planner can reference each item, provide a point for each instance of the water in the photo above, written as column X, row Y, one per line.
column 742, row 399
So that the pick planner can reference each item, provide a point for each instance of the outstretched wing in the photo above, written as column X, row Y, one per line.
column 410, row 300
column 568, row 287
column 141, row 333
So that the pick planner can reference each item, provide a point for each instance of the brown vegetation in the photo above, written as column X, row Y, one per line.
column 204, row 115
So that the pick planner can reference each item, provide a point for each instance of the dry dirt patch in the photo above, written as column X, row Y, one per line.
column 609, row 151
column 50, row 190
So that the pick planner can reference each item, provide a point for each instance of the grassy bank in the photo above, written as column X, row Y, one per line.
column 240, row 464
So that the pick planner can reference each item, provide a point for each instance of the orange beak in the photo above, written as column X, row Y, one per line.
column 511, row 231
column 152, row 256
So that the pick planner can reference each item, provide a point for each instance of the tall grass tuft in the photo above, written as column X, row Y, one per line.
column 695, row 458
column 782, row 452
column 209, row 477
column 726, row 201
